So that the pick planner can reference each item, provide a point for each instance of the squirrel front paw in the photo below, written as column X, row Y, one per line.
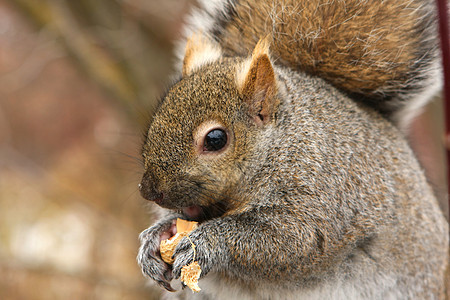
column 193, row 248
column 149, row 257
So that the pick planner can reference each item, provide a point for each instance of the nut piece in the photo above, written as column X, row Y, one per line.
column 167, row 247
column 190, row 275
column 185, row 226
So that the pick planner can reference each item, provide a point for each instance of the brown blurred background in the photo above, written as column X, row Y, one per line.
column 78, row 82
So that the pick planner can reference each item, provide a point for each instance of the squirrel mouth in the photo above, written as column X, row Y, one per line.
column 193, row 212
column 204, row 213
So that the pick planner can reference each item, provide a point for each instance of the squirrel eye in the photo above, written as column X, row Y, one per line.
column 215, row 140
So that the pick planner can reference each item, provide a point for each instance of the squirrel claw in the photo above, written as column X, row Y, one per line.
column 166, row 285
column 168, row 275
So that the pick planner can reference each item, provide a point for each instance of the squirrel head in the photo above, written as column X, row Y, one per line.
column 200, row 141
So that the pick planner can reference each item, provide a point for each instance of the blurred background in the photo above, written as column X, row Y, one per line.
column 78, row 83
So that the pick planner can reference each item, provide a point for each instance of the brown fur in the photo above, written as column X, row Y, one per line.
column 199, row 51
column 257, row 83
column 358, row 45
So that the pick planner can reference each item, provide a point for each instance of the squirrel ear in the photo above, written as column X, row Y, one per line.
column 199, row 51
column 256, row 81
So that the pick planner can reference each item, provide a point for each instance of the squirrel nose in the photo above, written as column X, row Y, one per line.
column 149, row 191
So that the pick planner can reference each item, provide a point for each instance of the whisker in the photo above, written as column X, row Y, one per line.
column 134, row 158
column 203, row 185
column 214, row 196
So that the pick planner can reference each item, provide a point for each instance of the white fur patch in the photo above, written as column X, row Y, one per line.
column 241, row 73
column 379, row 287
column 200, row 19
column 431, row 87
column 199, row 51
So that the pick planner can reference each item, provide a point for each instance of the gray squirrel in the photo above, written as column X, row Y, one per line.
column 284, row 139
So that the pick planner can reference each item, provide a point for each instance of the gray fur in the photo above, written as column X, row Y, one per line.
column 335, row 203
column 322, row 200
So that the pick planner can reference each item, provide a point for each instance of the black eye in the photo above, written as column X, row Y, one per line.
column 215, row 140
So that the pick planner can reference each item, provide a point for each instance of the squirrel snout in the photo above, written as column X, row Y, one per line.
column 148, row 190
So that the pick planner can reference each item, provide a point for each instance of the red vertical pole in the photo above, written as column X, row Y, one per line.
column 444, row 33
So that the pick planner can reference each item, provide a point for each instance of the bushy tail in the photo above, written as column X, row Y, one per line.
column 382, row 52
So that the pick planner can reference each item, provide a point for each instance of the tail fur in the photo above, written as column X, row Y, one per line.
column 381, row 52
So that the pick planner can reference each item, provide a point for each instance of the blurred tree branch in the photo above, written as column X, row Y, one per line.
column 125, row 46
